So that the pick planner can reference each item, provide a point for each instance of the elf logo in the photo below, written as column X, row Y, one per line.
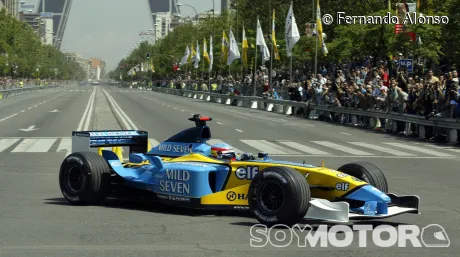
column 341, row 186
column 248, row 172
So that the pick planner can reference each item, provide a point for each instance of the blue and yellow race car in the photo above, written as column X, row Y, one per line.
column 185, row 171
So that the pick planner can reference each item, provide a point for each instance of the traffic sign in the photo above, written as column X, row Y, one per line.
column 408, row 63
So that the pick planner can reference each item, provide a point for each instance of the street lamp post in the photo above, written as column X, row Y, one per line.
column 196, row 13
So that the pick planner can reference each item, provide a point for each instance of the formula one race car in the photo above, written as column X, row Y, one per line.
column 181, row 171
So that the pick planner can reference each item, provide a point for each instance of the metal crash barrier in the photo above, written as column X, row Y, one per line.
column 308, row 110
column 18, row 91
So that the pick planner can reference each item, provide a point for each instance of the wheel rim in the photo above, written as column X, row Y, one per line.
column 270, row 197
column 74, row 179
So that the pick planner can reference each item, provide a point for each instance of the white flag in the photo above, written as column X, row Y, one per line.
column 260, row 41
column 211, row 55
column 233, row 51
column 197, row 57
column 185, row 57
column 292, row 32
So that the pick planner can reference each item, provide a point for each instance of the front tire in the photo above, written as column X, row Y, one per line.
column 84, row 178
column 367, row 172
column 279, row 195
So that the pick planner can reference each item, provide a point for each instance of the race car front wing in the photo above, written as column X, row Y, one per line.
column 325, row 210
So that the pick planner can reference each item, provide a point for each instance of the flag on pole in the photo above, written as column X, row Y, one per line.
column 186, row 56
column 260, row 41
column 245, row 48
column 233, row 52
column 205, row 51
column 292, row 31
column 211, row 55
column 276, row 54
column 192, row 55
column 319, row 28
column 224, row 47
column 197, row 56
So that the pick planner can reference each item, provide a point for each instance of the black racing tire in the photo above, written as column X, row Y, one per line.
column 84, row 178
column 367, row 172
column 285, row 189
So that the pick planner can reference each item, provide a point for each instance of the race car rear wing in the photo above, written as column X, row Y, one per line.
column 136, row 140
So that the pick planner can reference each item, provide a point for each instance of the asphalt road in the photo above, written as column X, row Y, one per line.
column 37, row 221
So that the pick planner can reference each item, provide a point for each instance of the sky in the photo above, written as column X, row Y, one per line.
column 107, row 29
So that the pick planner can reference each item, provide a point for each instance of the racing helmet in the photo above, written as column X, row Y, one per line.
column 219, row 150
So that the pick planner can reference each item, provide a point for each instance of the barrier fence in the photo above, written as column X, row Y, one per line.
column 19, row 91
column 420, row 125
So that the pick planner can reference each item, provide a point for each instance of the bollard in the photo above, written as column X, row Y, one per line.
column 452, row 136
column 421, row 131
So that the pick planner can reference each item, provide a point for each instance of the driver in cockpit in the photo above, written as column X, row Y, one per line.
column 225, row 151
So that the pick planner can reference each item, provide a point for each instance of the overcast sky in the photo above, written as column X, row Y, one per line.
column 106, row 29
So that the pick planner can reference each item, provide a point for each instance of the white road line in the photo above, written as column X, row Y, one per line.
column 182, row 110
column 23, row 110
column 381, row 149
column 345, row 133
column 5, row 143
column 129, row 124
column 239, row 130
column 420, row 150
column 220, row 123
column 29, row 108
column 447, row 148
column 90, row 112
column 24, row 145
column 341, row 148
column 303, row 148
column 41, row 146
column 65, row 145
column 85, row 113
column 216, row 141
column 153, row 142
column 357, row 156
column 12, row 115
column 175, row 108
column 265, row 146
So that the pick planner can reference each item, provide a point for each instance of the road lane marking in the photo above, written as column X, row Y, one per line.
column 447, row 148
column 153, row 142
column 24, row 145
column 303, row 148
column 420, row 150
column 12, row 115
column 345, row 133
column 270, row 148
column 381, row 149
column 85, row 113
column 341, row 148
column 65, row 145
column 23, row 110
column 220, row 123
column 239, row 130
column 129, row 124
column 216, row 141
column 5, row 143
column 182, row 110
column 41, row 146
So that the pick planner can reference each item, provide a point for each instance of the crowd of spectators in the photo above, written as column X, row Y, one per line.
column 7, row 83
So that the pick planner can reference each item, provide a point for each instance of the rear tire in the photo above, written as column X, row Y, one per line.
column 279, row 195
column 84, row 178
column 367, row 172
